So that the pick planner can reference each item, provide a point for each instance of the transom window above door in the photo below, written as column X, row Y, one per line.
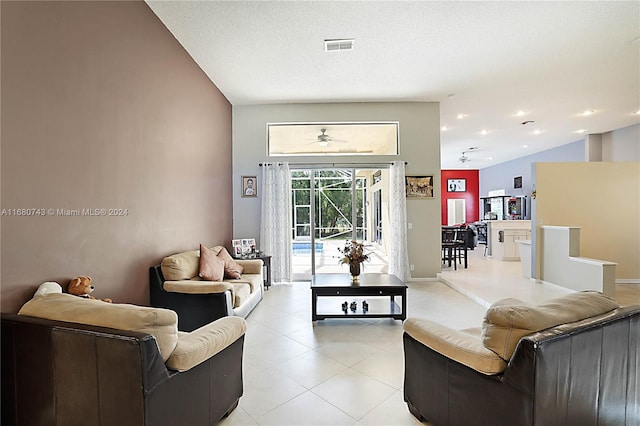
column 360, row 138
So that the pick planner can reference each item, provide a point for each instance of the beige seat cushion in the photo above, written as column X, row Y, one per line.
column 199, row 345
column 160, row 323
column 464, row 346
column 197, row 286
column 508, row 320
column 255, row 281
column 241, row 293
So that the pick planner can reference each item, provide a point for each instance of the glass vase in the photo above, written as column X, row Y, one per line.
column 354, row 270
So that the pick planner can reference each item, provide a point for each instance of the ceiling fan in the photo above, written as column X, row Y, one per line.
column 463, row 158
column 323, row 139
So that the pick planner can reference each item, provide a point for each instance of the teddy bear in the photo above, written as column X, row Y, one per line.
column 81, row 286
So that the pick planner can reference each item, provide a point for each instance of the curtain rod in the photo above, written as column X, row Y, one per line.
column 346, row 165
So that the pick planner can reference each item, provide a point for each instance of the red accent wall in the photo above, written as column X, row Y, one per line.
column 472, row 195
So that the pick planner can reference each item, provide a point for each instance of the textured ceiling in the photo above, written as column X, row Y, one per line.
column 488, row 60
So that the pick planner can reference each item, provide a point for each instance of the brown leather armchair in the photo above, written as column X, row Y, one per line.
column 584, row 372
column 83, row 373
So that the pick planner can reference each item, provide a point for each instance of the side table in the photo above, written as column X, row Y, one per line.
column 266, row 260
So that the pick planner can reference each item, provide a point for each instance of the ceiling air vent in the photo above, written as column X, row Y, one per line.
column 338, row 44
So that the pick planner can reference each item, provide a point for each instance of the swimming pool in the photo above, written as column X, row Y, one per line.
column 304, row 247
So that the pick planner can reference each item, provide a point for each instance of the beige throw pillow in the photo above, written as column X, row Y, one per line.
column 211, row 266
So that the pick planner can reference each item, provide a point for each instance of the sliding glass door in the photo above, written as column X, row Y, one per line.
column 329, row 207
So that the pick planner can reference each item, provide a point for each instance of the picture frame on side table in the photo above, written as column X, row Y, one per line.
column 456, row 185
column 249, row 186
column 237, row 247
column 248, row 246
column 419, row 186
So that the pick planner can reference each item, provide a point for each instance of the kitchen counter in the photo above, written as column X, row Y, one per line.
column 502, row 236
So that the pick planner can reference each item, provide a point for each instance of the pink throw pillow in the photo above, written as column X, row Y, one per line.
column 231, row 268
column 211, row 266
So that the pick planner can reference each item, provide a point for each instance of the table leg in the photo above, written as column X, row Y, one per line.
column 267, row 264
column 465, row 257
column 314, row 304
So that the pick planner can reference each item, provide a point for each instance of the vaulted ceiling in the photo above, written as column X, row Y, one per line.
column 512, row 78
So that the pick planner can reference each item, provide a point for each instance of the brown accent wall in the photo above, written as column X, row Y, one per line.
column 103, row 109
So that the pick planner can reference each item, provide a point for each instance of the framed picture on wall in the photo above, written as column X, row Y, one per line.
column 517, row 182
column 419, row 186
column 249, row 186
column 456, row 185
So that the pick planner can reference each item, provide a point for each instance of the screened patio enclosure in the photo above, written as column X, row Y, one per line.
column 331, row 206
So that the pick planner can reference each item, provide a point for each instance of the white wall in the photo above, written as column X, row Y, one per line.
column 501, row 175
column 562, row 265
column 419, row 146
column 622, row 144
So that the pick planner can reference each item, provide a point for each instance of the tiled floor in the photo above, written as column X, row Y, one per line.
column 350, row 371
column 487, row 280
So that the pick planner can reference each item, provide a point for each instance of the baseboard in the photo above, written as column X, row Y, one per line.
column 628, row 281
column 413, row 280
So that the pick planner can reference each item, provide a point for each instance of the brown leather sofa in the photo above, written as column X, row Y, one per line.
column 175, row 285
column 138, row 371
column 572, row 361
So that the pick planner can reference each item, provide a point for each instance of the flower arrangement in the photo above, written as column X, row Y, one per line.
column 353, row 253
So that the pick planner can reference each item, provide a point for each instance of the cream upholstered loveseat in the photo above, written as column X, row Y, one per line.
column 574, row 360
column 69, row 360
column 176, row 285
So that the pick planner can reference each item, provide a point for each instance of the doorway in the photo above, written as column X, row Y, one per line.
column 456, row 211
column 329, row 207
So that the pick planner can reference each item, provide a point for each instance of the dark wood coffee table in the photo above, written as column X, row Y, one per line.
column 378, row 290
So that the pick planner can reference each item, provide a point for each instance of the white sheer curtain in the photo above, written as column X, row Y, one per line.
column 275, row 219
column 398, row 254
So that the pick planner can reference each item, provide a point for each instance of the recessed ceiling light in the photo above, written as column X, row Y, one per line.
column 489, row 158
column 484, row 132
column 637, row 112
column 520, row 113
column 587, row 113
column 580, row 131
column 525, row 146
column 462, row 116
column 537, row 131
column 444, row 128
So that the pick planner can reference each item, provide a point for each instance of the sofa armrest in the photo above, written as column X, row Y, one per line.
column 199, row 345
column 197, row 287
column 459, row 346
column 250, row 266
